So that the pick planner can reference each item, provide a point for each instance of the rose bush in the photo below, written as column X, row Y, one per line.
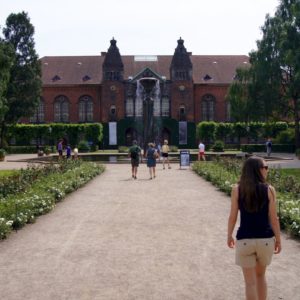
column 224, row 173
column 42, row 191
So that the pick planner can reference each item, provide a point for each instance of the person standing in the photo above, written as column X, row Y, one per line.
column 165, row 154
column 258, row 236
column 134, row 152
column 269, row 147
column 151, row 155
column 60, row 148
column 68, row 151
column 75, row 153
column 201, row 153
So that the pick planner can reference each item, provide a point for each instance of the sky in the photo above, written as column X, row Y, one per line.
column 208, row 27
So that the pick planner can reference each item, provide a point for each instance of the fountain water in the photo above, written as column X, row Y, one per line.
column 147, row 106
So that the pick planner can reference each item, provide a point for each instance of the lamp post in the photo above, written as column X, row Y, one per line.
column 50, row 137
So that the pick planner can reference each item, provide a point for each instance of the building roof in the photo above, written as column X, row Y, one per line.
column 74, row 70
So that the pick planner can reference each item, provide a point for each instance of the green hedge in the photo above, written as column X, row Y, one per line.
column 209, row 131
column 262, row 148
column 23, row 134
column 28, row 149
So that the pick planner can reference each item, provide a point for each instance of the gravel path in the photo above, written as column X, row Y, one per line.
column 119, row 238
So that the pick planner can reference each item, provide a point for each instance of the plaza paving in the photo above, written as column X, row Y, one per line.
column 119, row 238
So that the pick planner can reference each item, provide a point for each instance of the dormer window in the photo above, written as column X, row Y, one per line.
column 56, row 78
column 86, row 78
column 207, row 77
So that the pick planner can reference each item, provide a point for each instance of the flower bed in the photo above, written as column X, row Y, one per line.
column 41, row 192
column 224, row 173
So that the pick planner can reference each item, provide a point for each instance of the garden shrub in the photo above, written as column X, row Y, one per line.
column 285, row 137
column 218, row 146
column 224, row 173
column 20, row 207
column 83, row 146
column 250, row 148
column 123, row 149
column 173, row 148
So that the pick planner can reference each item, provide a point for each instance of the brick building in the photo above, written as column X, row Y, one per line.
column 106, row 88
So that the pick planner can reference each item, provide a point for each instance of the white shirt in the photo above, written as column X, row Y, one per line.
column 201, row 147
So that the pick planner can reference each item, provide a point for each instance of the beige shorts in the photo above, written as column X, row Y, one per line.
column 251, row 251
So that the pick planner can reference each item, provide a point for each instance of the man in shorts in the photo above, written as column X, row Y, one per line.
column 201, row 154
column 165, row 154
column 134, row 153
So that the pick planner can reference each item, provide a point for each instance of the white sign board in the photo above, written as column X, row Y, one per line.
column 184, row 158
column 112, row 130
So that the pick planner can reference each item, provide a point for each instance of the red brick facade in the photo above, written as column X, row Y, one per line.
column 110, row 82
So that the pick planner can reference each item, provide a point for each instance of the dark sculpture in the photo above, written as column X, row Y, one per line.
column 148, row 84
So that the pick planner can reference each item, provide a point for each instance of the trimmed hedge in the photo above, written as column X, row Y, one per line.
column 28, row 149
column 209, row 131
column 23, row 134
column 262, row 148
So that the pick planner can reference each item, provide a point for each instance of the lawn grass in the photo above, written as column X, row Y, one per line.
column 5, row 173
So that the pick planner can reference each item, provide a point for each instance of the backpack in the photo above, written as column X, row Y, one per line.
column 134, row 153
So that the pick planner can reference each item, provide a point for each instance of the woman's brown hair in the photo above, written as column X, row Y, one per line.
column 249, row 184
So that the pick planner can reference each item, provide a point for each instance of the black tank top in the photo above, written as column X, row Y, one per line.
column 255, row 224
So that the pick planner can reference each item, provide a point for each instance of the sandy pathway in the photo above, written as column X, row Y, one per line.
column 119, row 238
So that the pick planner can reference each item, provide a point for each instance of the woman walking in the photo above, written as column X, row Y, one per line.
column 258, row 236
column 151, row 159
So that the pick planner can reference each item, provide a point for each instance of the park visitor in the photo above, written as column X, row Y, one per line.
column 134, row 153
column 151, row 156
column 258, row 236
column 60, row 148
column 201, row 153
column 68, row 151
column 269, row 147
column 75, row 153
column 165, row 154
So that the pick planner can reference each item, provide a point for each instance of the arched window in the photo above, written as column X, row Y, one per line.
column 85, row 108
column 182, row 112
column 165, row 107
column 129, row 107
column 61, row 109
column 208, row 107
column 39, row 115
column 113, row 113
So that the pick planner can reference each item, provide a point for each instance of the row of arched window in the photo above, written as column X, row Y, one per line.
column 85, row 109
column 208, row 105
column 62, row 110
column 132, row 111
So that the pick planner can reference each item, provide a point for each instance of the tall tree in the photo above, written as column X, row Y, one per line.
column 239, row 95
column 24, row 86
column 6, row 63
column 275, row 67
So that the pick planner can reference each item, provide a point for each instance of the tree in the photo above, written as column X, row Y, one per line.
column 274, row 84
column 278, row 57
column 24, row 85
column 6, row 62
column 239, row 95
